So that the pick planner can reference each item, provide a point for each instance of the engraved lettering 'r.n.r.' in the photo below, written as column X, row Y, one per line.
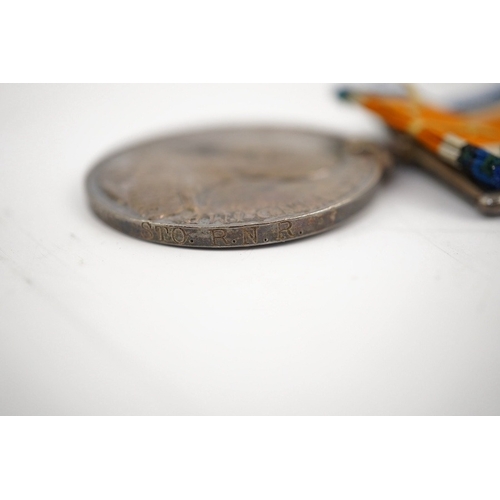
column 284, row 230
column 249, row 235
column 219, row 235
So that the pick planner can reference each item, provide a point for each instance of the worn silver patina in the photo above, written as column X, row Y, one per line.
column 234, row 187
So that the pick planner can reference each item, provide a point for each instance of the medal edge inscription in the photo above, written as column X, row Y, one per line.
column 218, row 236
column 239, row 236
column 255, row 234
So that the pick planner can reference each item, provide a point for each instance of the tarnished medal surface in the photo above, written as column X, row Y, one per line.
column 234, row 187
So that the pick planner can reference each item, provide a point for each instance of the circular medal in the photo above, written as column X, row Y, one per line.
column 234, row 187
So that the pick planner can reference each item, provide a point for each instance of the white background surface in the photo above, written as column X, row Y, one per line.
column 395, row 312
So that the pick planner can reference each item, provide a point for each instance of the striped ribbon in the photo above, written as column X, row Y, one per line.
column 469, row 141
